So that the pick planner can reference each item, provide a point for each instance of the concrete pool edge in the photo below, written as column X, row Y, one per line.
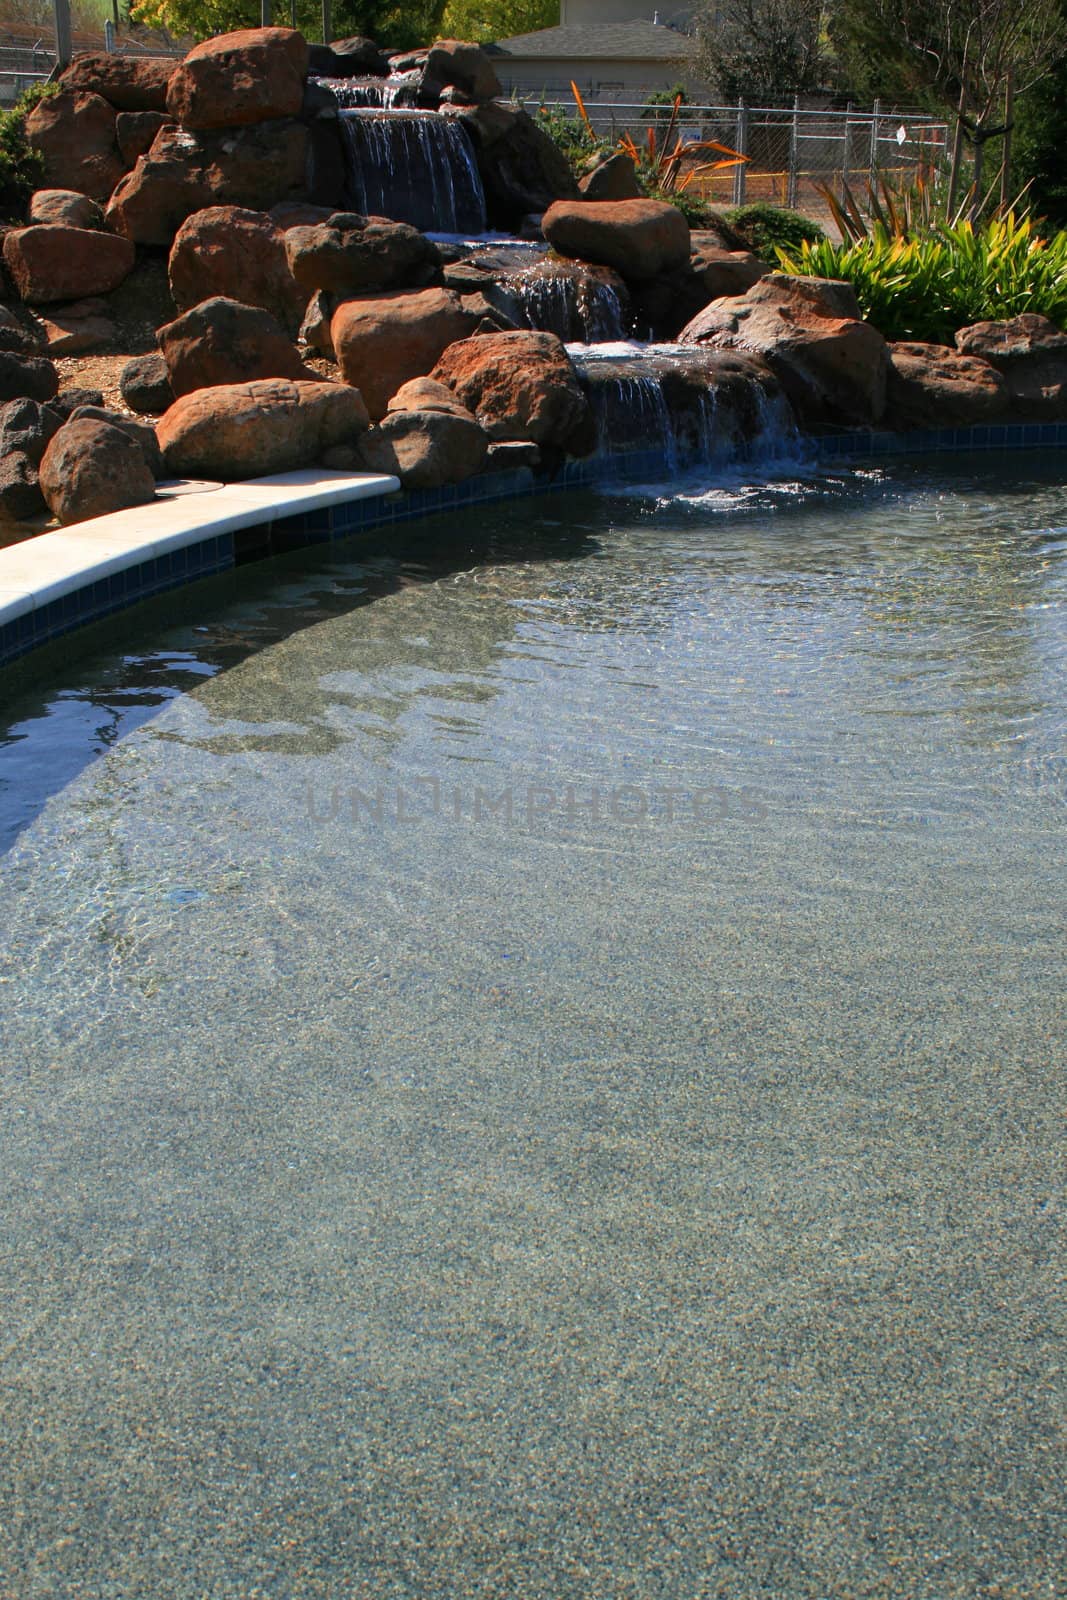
column 57, row 582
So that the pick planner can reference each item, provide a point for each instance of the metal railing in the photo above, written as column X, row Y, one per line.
column 793, row 153
column 23, row 65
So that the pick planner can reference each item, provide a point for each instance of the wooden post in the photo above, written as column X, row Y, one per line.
column 61, row 9
column 1005, row 159
column 327, row 22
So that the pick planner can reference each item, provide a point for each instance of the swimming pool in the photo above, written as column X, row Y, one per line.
column 532, row 1062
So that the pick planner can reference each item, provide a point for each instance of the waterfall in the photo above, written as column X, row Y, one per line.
column 688, row 405
column 631, row 413
column 380, row 94
column 571, row 302
column 414, row 167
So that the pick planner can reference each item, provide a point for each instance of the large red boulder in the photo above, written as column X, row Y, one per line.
column 518, row 385
column 383, row 340
column 129, row 83
column 222, row 341
column 229, row 250
column 464, row 66
column 931, row 386
column 639, row 238
column 92, row 468
column 832, row 365
column 253, row 75
column 74, row 134
column 185, row 172
column 350, row 254
column 248, row 430
column 51, row 262
column 1030, row 353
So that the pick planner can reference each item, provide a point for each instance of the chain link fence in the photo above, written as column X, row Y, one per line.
column 793, row 153
column 24, row 62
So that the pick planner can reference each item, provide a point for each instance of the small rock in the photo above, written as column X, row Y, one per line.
column 145, row 385
column 20, row 492
column 613, row 179
column 27, row 427
column 65, row 207
column 71, row 399
column 425, row 448
column 32, row 377
column 142, row 433
column 135, row 132
column 91, row 468
column 507, row 455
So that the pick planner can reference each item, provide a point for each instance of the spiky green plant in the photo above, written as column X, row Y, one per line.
column 927, row 285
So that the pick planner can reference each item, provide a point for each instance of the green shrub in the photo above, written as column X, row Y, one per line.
column 927, row 286
column 21, row 169
column 767, row 228
column 571, row 135
column 697, row 212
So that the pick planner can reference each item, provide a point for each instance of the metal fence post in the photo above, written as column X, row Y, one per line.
column 845, row 150
column 61, row 10
column 265, row 18
column 109, row 37
column 327, row 22
column 875, row 115
column 741, row 146
column 793, row 187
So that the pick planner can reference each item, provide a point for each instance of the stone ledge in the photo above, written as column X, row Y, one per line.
column 56, row 581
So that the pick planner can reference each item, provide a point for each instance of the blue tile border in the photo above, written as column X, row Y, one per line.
column 219, row 553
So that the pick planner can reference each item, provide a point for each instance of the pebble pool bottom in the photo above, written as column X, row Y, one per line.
column 532, row 1062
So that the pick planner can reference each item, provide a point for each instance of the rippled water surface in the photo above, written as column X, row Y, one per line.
column 532, row 1064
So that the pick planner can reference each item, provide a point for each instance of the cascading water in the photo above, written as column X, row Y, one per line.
column 631, row 413
column 574, row 304
column 415, row 167
column 690, row 406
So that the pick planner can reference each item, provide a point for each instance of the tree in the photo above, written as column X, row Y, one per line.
column 486, row 20
column 973, row 57
column 398, row 26
column 762, row 51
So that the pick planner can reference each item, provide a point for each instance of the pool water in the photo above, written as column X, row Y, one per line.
column 532, row 1063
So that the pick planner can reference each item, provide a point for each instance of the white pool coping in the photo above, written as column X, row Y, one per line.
column 37, row 571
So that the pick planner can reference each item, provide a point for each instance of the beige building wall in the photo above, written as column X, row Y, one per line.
column 605, row 82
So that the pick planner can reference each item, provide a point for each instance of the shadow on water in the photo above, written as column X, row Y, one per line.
column 80, row 695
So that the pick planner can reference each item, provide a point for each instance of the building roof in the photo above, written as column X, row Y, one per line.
column 639, row 41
